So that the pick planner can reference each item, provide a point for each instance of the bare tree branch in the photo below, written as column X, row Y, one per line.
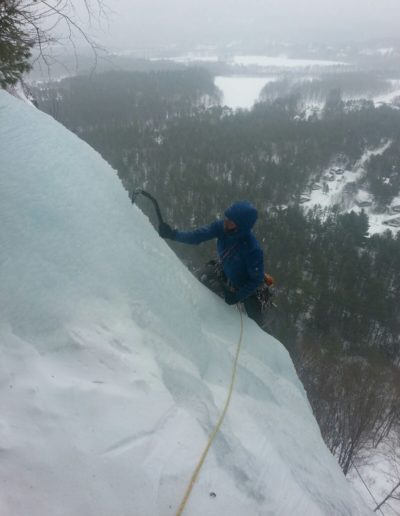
column 36, row 23
column 387, row 497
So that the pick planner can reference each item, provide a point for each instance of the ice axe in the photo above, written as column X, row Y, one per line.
column 140, row 191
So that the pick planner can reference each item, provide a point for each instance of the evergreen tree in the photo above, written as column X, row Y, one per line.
column 15, row 43
column 25, row 24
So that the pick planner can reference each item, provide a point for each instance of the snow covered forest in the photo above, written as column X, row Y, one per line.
column 316, row 148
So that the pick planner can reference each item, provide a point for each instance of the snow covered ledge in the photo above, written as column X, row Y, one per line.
column 19, row 91
column 115, row 361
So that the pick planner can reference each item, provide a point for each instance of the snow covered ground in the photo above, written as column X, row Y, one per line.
column 241, row 91
column 283, row 62
column 191, row 57
column 386, row 51
column 379, row 474
column 390, row 98
column 331, row 190
column 379, row 477
column 115, row 362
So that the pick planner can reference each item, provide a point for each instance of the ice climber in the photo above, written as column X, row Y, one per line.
column 239, row 270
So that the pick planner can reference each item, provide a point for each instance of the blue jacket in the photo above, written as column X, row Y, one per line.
column 240, row 254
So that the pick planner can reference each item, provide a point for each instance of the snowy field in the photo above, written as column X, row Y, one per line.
column 241, row 91
column 284, row 62
column 115, row 361
column 189, row 58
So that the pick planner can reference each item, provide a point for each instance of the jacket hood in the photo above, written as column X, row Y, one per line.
column 243, row 214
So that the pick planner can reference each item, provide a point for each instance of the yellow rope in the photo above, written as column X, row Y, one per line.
column 217, row 427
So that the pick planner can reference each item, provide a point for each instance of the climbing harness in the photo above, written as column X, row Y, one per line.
column 212, row 275
column 218, row 425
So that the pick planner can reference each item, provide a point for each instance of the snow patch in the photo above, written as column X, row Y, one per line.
column 338, row 185
column 283, row 62
column 241, row 91
column 189, row 58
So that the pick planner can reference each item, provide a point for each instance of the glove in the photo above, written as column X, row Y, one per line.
column 165, row 231
column 231, row 297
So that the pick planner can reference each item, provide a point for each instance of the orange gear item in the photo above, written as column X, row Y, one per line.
column 269, row 280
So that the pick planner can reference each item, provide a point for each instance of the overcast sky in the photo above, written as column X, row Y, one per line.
column 141, row 23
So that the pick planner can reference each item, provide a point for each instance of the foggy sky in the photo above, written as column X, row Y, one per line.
column 141, row 23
